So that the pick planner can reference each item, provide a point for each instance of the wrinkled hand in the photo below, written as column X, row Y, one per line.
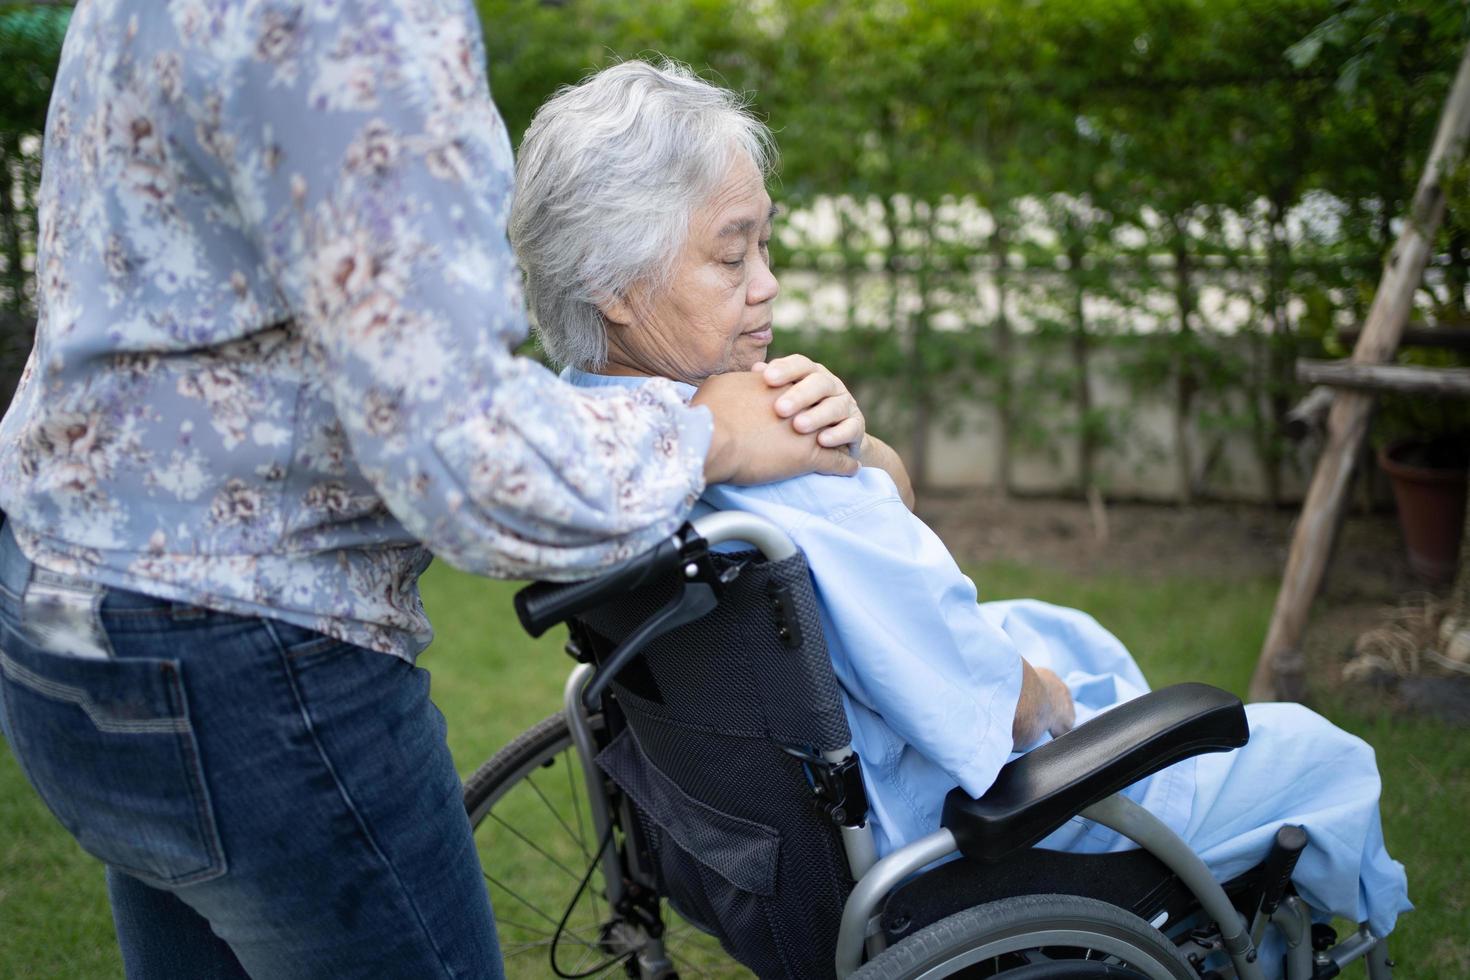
column 752, row 443
column 817, row 401
column 1045, row 706
column 1063, row 710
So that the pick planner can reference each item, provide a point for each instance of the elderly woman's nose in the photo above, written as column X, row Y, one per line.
column 763, row 285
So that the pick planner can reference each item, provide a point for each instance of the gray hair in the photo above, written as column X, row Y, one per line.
column 608, row 176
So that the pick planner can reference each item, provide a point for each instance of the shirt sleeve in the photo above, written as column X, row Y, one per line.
column 908, row 640
column 368, row 162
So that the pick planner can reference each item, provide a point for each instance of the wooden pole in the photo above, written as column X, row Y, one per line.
column 1308, row 416
column 1348, row 418
column 1406, row 379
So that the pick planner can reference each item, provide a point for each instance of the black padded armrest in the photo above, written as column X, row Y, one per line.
column 1041, row 790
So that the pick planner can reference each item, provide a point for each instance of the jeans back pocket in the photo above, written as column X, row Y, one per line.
column 109, row 747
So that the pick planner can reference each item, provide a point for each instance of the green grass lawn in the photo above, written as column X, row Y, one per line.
column 492, row 681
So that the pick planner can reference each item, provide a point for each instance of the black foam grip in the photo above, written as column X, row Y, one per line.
column 1279, row 864
column 542, row 605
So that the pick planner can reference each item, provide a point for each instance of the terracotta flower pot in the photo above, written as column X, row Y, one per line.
column 1429, row 485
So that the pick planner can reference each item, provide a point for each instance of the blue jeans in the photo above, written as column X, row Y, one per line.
column 269, row 802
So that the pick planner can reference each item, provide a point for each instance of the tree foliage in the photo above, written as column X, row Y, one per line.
column 30, row 40
column 30, row 46
column 1007, row 190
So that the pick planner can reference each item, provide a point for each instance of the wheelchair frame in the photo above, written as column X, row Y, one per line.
column 860, row 930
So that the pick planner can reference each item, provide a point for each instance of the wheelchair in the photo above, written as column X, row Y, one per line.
column 696, row 809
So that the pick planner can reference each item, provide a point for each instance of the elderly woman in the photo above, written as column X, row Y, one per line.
column 642, row 222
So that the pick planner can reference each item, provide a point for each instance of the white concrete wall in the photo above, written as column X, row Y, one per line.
column 1141, row 464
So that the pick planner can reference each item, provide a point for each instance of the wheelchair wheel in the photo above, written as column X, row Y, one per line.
column 1034, row 937
column 535, row 837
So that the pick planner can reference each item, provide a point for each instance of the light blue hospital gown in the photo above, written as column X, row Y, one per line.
column 930, row 680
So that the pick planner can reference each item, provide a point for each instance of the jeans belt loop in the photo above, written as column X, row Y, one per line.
column 62, row 614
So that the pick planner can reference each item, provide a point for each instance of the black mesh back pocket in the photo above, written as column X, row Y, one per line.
column 726, row 810
column 717, row 870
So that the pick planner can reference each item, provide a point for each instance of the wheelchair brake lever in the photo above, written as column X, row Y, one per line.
column 695, row 599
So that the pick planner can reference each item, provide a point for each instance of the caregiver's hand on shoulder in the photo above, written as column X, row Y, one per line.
column 819, row 401
column 754, row 444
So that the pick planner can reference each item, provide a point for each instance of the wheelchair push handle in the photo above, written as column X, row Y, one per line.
column 1279, row 864
column 542, row 605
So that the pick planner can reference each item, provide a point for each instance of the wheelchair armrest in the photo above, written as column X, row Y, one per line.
column 1040, row 791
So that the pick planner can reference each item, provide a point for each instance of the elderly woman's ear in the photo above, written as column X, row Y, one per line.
column 617, row 311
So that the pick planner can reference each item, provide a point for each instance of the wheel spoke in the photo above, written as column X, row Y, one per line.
column 553, row 811
column 684, row 961
column 537, row 864
column 501, row 920
column 535, row 847
column 518, row 948
column 586, row 949
column 524, row 901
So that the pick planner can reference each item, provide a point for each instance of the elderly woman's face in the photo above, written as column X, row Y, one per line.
column 714, row 316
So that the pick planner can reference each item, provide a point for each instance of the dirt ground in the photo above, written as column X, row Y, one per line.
column 1368, row 576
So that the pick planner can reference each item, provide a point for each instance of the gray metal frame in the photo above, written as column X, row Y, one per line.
column 1117, row 812
column 860, row 932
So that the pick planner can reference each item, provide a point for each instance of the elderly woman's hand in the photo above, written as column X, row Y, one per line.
column 1044, row 707
column 819, row 402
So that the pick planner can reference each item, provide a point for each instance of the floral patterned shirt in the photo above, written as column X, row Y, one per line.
column 272, row 369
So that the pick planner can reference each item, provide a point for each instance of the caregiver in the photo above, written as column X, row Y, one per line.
column 272, row 376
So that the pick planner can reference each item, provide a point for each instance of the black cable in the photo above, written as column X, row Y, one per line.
column 561, row 926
